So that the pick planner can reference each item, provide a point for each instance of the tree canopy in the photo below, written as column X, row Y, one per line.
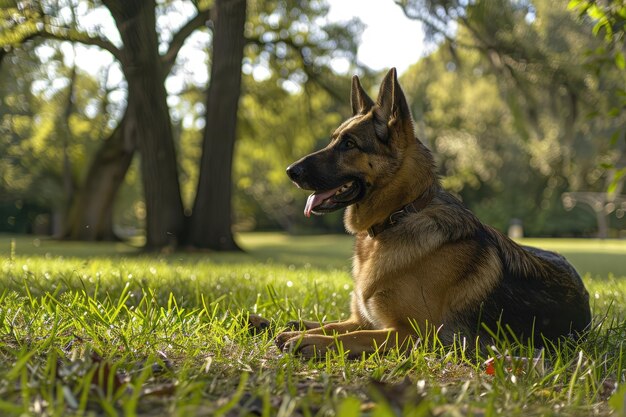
column 285, row 37
column 522, row 102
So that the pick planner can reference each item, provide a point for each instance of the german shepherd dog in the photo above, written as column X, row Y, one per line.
column 421, row 259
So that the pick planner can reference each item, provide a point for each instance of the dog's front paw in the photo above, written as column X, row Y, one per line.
column 306, row 346
column 309, row 351
column 282, row 338
column 295, row 325
column 257, row 324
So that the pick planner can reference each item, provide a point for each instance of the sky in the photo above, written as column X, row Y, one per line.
column 390, row 38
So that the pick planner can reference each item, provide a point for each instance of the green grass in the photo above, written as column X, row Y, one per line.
column 105, row 330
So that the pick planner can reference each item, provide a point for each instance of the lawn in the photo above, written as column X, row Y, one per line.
column 102, row 329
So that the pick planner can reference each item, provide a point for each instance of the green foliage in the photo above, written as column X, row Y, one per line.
column 275, row 129
column 18, row 22
column 32, row 126
column 504, row 102
column 506, row 113
column 37, row 128
column 289, row 38
column 288, row 42
column 610, row 19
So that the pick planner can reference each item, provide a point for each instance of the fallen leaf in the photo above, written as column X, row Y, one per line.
column 162, row 390
column 104, row 378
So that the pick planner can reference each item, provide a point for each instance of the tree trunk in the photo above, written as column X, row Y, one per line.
column 3, row 54
column 69, row 185
column 603, row 224
column 148, row 120
column 91, row 214
column 211, row 217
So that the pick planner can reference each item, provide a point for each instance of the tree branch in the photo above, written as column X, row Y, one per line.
column 65, row 34
column 181, row 36
column 307, row 67
column 436, row 25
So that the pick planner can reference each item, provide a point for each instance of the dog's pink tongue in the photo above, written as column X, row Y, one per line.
column 316, row 199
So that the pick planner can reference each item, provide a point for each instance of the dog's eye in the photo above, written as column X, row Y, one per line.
column 348, row 144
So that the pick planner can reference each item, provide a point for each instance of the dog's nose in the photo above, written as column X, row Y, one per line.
column 295, row 172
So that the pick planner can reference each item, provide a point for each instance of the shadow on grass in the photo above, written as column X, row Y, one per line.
column 323, row 252
column 589, row 256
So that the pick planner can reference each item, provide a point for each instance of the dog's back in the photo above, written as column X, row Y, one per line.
column 540, row 295
column 467, row 278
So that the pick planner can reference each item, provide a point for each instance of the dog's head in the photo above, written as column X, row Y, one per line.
column 365, row 152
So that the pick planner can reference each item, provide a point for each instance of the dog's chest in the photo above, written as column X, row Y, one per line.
column 395, row 282
column 375, row 272
column 367, row 311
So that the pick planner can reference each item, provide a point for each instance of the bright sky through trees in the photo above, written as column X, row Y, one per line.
column 389, row 39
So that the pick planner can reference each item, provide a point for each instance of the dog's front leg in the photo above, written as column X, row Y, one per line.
column 307, row 324
column 354, row 343
column 349, row 325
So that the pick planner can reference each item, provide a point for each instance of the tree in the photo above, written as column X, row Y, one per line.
column 83, row 217
column 609, row 19
column 90, row 216
column 147, row 122
column 211, row 216
column 292, row 52
column 147, row 119
column 514, row 134
column 52, row 118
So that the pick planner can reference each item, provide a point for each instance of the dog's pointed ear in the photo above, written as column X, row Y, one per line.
column 391, row 103
column 360, row 101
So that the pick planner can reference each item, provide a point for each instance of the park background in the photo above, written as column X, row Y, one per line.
column 521, row 103
column 143, row 144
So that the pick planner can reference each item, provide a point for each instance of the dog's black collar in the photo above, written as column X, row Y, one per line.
column 415, row 206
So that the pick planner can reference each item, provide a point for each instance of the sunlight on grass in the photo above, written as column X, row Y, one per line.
column 105, row 329
column 590, row 256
